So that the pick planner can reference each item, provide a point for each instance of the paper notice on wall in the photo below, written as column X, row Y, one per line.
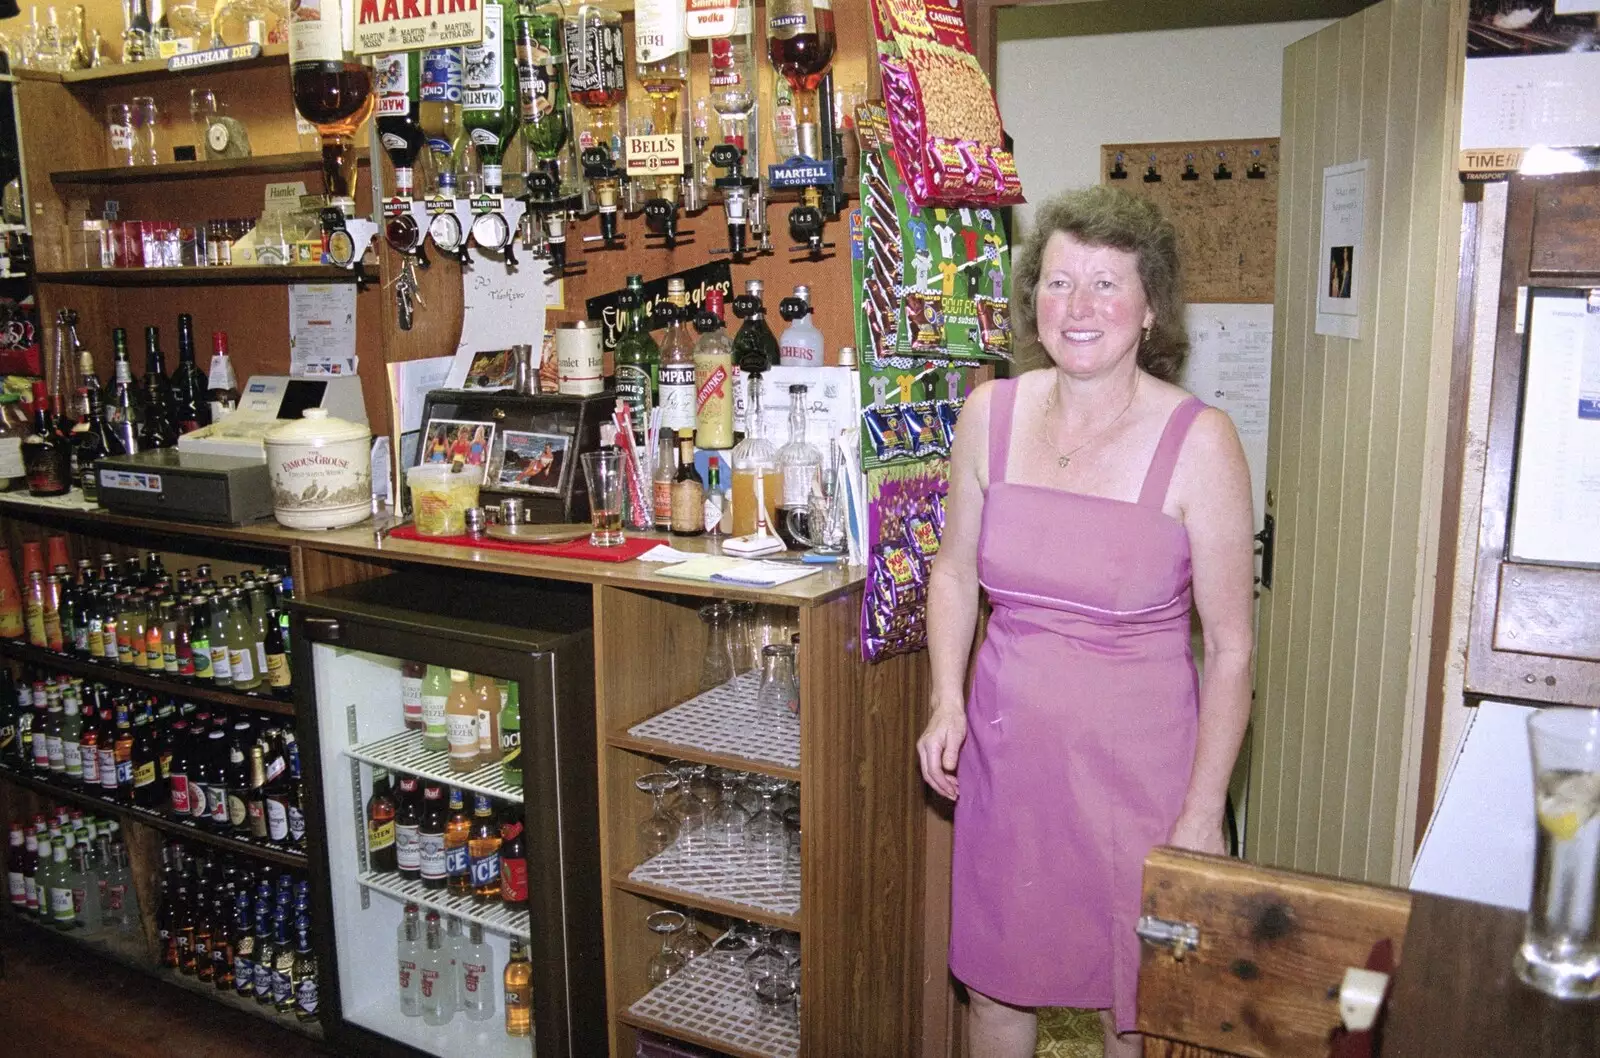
column 1556, row 502
column 1230, row 367
column 1341, row 263
column 1531, row 100
column 322, row 330
column 503, row 306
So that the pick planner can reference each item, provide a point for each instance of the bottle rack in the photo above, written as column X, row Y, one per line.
column 106, row 672
column 491, row 915
column 403, row 751
column 186, row 829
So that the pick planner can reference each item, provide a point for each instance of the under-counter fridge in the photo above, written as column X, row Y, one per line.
column 364, row 646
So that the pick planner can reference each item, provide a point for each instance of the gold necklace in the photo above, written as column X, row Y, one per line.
column 1065, row 458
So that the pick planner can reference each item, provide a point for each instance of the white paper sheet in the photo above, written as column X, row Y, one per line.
column 1341, row 262
column 833, row 401
column 1556, row 503
column 503, row 307
column 1528, row 100
column 1479, row 844
column 410, row 381
column 322, row 330
column 1230, row 367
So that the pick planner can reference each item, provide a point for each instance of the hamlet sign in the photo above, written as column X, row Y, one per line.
column 406, row 25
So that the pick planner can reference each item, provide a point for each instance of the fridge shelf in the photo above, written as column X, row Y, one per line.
column 403, row 751
column 728, row 880
column 723, row 725
column 510, row 922
column 710, row 1003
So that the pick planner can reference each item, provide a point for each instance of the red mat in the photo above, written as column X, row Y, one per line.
column 629, row 549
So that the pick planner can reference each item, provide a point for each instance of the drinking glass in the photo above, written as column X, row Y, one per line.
column 764, row 834
column 691, row 812
column 668, row 960
column 203, row 108
column 660, row 830
column 119, row 129
column 1560, row 953
column 732, row 948
column 603, row 472
column 718, row 665
column 145, row 119
column 770, row 976
column 727, row 822
column 747, row 654
column 689, row 940
column 779, row 694
column 791, row 824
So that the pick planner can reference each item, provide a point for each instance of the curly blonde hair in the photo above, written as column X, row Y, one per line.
column 1109, row 216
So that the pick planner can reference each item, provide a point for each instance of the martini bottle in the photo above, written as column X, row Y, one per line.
column 490, row 111
column 399, row 113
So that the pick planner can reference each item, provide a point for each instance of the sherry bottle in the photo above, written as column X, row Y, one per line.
column 46, row 452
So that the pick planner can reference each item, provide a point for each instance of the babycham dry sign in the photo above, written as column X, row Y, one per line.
column 406, row 25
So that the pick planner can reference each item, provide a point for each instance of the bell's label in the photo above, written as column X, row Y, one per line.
column 390, row 25
column 655, row 155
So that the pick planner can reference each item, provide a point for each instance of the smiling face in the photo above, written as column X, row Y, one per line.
column 1091, row 305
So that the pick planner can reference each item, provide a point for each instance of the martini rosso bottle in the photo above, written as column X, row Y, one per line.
column 399, row 112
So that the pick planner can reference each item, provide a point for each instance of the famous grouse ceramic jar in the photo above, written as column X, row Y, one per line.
column 321, row 471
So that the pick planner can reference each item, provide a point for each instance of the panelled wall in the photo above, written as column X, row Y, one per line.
column 1358, row 437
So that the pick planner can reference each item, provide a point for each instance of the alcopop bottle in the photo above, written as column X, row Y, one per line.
column 410, row 956
column 476, row 963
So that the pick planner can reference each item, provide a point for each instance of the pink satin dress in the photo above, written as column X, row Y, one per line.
column 1080, row 732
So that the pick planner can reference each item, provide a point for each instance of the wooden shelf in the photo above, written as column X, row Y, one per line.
column 155, row 70
column 721, row 727
column 107, row 944
column 672, row 895
column 105, row 670
column 199, row 277
column 261, row 165
column 185, row 830
column 709, row 1003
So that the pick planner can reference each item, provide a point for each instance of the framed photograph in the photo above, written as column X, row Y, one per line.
column 532, row 462
column 447, row 441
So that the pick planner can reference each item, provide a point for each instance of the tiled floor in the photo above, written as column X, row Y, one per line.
column 1069, row 1034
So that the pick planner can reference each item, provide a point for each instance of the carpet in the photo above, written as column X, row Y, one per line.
column 1065, row 1033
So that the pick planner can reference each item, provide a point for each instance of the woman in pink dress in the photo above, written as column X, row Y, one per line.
column 1094, row 502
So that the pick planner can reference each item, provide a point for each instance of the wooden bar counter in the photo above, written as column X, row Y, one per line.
column 872, row 906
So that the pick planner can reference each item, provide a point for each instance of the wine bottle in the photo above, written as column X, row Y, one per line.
column 189, row 406
column 490, row 111
column 399, row 112
column 125, row 411
column 159, row 428
column 46, row 453
column 222, row 393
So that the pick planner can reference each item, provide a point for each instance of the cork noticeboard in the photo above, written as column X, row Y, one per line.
column 1227, row 226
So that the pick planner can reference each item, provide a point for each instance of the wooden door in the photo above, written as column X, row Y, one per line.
column 1356, row 450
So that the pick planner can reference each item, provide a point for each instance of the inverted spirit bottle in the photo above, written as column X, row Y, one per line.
column 800, row 45
column 490, row 111
column 542, row 91
column 733, row 76
column 596, row 77
column 441, row 111
column 332, row 88
column 399, row 115
column 661, row 65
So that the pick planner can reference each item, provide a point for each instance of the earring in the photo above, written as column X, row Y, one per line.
column 1145, row 337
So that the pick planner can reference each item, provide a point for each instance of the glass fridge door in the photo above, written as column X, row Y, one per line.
column 428, row 898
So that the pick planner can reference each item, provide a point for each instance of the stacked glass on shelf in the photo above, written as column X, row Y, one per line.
column 232, row 635
column 443, row 972
column 232, row 775
column 149, row 31
column 238, row 926
column 768, row 958
column 71, row 871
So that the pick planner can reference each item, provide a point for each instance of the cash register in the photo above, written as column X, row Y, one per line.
column 218, row 474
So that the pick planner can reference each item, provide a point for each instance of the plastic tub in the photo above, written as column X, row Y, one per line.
column 440, row 499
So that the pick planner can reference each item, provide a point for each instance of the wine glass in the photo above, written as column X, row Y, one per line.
column 791, row 824
column 668, row 960
column 731, row 949
column 660, row 830
column 770, row 976
column 727, row 822
column 689, row 940
column 765, row 836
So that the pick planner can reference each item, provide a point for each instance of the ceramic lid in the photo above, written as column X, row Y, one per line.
column 316, row 427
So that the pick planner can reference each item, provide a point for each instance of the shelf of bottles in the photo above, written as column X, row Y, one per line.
column 109, row 672
column 724, row 726
column 494, row 915
column 183, row 277
column 257, row 165
column 710, row 1001
column 404, row 752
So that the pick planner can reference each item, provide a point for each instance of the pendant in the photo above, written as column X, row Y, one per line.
column 1062, row 461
